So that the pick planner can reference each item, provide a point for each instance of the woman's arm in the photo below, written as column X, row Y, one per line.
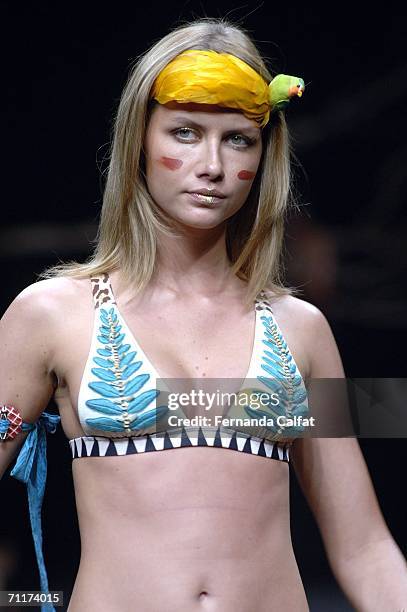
column 334, row 478
column 26, row 380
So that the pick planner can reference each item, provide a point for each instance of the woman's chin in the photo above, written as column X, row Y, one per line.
column 205, row 220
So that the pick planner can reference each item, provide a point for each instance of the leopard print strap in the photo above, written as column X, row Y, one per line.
column 102, row 290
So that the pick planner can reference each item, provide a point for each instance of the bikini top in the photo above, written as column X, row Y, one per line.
column 123, row 403
column 122, row 411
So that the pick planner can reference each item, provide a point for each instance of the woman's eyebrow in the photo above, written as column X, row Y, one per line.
column 186, row 119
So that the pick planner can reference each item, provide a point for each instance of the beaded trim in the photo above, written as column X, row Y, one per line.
column 287, row 371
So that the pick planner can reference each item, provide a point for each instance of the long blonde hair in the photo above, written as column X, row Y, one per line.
column 130, row 220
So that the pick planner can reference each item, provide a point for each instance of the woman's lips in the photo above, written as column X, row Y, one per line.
column 205, row 199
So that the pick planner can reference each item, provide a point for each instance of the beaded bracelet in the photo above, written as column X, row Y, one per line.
column 11, row 423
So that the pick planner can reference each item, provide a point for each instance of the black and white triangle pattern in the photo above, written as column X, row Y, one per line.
column 101, row 446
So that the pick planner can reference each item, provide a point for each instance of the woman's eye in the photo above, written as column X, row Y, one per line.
column 239, row 140
column 183, row 132
column 243, row 139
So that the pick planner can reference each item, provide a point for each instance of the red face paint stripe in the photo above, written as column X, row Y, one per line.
column 171, row 163
column 245, row 175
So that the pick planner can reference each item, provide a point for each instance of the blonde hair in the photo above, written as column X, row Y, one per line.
column 130, row 220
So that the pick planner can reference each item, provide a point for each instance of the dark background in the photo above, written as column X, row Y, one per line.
column 65, row 68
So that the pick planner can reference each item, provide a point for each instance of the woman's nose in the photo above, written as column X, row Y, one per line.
column 210, row 161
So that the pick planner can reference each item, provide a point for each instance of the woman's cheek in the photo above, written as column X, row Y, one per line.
column 172, row 163
column 246, row 175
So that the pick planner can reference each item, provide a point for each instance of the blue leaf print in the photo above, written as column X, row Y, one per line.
column 103, row 340
column 117, row 380
column 136, row 384
column 135, row 426
column 257, row 413
column 105, row 423
column 123, row 349
column 276, row 371
column 272, row 361
column 274, row 384
column 283, row 389
column 293, row 370
column 296, row 379
column 302, row 410
column 103, row 363
column 104, row 405
column 299, row 395
column 142, row 400
column 106, row 352
column 104, row 374
column 285, row 379
column 127, row 359
column 150, row 416
column 104, row 389
column 127, row 372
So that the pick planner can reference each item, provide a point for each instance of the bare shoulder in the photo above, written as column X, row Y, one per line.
column 51, row 289
column 307, row 329
column 292, row 306
column 52, row 292
column 40, row 303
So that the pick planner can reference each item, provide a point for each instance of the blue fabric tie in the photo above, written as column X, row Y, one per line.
column 31, row 468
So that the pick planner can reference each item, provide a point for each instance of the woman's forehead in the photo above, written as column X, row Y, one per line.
column 208, row 114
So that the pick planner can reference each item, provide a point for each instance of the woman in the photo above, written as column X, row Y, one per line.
column 185, row 284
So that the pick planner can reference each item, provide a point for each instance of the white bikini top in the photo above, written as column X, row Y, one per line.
column 123, row 410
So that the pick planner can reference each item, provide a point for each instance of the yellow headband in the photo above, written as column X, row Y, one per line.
column 209, row 77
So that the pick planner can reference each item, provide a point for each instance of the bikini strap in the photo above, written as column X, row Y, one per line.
column 102, row 290
column 103, row 294
column 263, row 302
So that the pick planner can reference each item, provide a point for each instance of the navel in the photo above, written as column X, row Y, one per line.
column 171, row 162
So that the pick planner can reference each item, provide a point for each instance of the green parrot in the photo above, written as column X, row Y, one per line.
column 282, row 88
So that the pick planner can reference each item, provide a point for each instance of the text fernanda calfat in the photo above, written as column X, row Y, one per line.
column 205, row 421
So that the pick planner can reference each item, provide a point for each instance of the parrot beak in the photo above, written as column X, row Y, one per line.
column 295, row 90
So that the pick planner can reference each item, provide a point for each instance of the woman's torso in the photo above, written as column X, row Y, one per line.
column 188, row 528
